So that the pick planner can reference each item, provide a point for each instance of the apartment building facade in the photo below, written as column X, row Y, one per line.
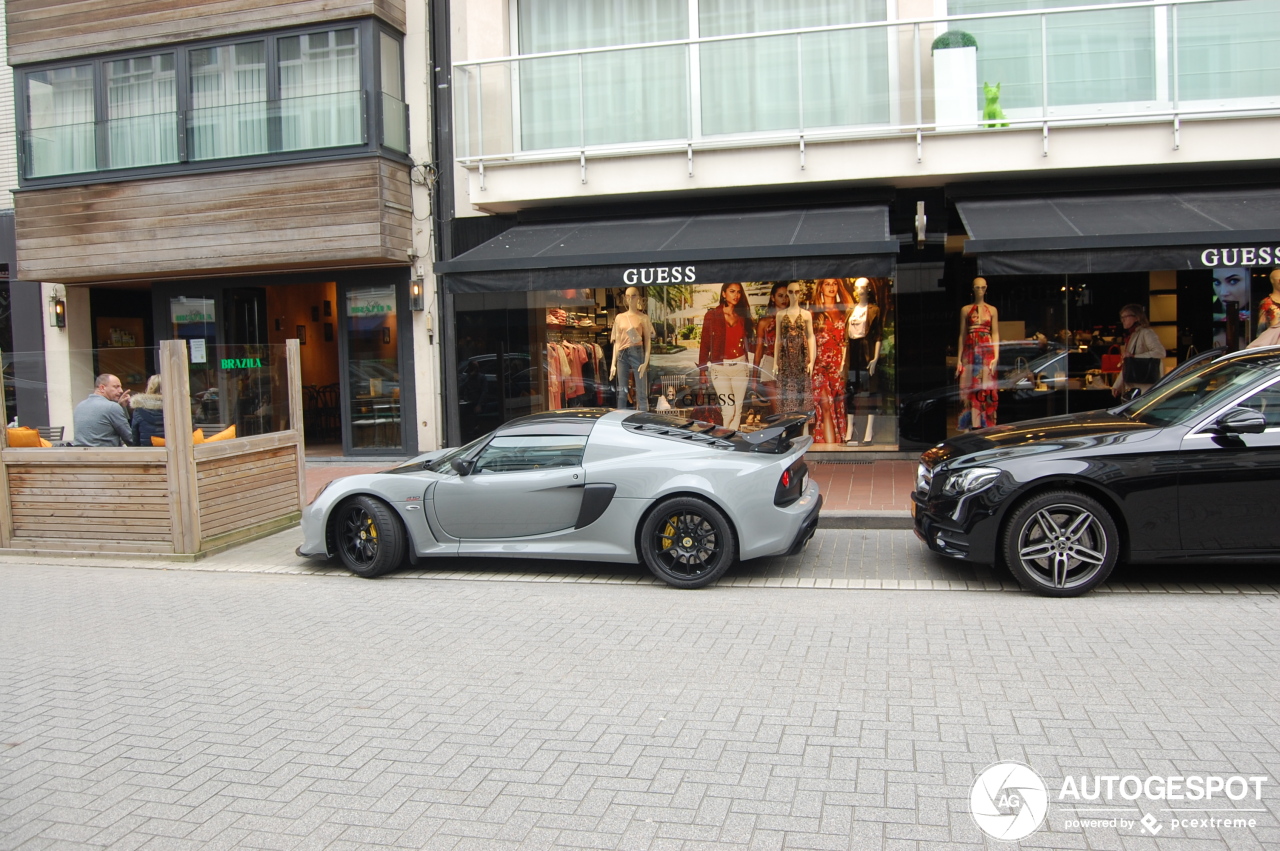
column 233, row 174
column 879, row 155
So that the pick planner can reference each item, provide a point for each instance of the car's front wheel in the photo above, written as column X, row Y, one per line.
column 687, row 542
column 368, row 536
column 1061, row 544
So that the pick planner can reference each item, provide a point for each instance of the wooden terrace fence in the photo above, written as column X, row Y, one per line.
column 179, row 499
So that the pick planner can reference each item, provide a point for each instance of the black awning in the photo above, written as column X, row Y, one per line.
column 1130, row 232
column 704, row 248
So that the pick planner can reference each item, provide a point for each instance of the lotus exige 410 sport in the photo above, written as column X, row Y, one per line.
column 687, row 498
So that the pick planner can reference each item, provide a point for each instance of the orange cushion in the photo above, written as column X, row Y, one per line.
column 45, row 443
column 228, row 433
column 197, row 437
column 24, row 438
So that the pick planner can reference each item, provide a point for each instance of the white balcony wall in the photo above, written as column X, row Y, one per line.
column 854, row 84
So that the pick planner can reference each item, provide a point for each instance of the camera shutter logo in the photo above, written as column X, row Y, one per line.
column 1008, row 801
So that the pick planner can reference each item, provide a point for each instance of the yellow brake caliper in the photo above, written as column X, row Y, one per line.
column 668, row 533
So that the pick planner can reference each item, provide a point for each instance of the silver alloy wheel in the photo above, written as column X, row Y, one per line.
column 1063, row 546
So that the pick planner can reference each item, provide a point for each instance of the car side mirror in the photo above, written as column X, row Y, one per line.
column 1241, row 421
column 463, row 466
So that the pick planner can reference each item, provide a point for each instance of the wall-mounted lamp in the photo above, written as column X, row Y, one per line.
column 416, row 299
column 57, row 312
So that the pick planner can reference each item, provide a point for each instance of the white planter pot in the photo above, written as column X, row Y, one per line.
column 955, row 89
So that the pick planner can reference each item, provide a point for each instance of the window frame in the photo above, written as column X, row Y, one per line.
column 368, row 39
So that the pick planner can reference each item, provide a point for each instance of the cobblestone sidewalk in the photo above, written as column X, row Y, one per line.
column 835, row 558
column 183, row 710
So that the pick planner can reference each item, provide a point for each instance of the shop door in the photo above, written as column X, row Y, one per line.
column 248, row 394
column 191, row 315
column 372, row 392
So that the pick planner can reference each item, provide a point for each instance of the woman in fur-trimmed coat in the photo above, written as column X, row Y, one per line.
column 148, row 414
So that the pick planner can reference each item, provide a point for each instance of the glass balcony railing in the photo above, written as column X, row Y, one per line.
column 1073, row 64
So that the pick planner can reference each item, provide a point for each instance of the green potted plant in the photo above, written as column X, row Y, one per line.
column 955, row 80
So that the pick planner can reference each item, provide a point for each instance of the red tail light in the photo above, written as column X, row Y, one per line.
column 786, row 478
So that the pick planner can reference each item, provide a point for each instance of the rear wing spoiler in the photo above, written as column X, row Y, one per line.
column 779, row 431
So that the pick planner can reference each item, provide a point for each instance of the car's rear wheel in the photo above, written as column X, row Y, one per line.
column 1061, row 544
column 368, row 536
column 687, row 542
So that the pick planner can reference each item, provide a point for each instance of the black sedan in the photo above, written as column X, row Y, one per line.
column 1189, row 471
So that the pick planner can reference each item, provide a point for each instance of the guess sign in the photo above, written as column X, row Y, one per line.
column 1265, row 255
column 660, row 275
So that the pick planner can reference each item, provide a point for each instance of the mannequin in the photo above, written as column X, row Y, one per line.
column 863, row 330
column 794, row 352
column 724, row 353
column 767, row 343
column 632, row 338
column 827, row 379
column 1269, row 309
column 979, row 350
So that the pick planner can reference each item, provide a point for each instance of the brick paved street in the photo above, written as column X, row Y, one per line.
column 188, row 708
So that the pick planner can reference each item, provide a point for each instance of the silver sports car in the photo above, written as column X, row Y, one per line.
column 686, row 497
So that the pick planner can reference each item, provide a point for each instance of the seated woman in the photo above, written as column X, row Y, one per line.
column 148, row 414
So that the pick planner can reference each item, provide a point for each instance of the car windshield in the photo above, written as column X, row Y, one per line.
column 1187, row 395
column 439, row 464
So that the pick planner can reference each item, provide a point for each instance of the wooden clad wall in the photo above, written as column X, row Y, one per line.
column 41, row 30
column 281, row 218
column 114, row 500
column 246, row 489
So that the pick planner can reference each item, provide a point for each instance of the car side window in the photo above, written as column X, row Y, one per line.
column 1267, row 403
column 516, row 453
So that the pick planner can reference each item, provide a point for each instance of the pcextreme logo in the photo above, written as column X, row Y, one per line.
column 1010, row 801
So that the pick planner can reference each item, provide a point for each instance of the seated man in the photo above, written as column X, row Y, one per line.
column 100, row 420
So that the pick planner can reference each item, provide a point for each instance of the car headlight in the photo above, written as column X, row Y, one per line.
column 971, row 480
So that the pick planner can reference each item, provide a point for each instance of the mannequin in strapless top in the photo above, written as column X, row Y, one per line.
column 863, row 330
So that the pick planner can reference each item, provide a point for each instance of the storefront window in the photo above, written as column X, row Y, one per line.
column 373, row 367
column 1021, row 347
column 731, row 353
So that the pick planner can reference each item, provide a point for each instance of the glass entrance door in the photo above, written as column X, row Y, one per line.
column 373, row 368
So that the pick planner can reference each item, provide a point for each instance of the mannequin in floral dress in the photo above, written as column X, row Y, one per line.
column 828, row 378
column 766, row 372
column 794, row 352
column 979, row 351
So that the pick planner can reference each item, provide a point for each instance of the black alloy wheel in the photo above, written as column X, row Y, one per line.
column 1061, row 544
column 687, row 542
column 368, row 536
